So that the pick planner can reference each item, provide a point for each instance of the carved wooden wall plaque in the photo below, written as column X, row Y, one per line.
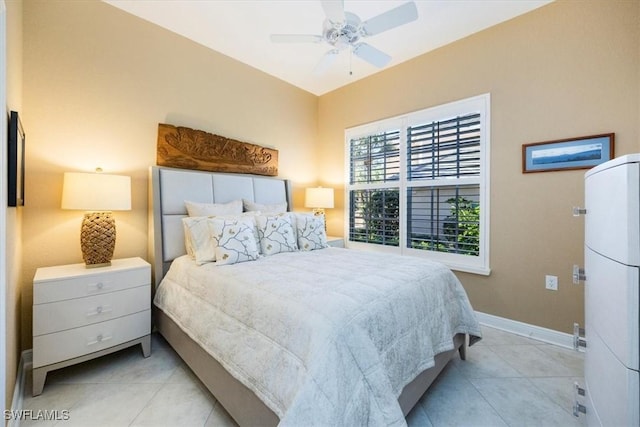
column 185, row 148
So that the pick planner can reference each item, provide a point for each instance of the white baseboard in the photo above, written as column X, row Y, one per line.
column 17, row 403
column 526, row 330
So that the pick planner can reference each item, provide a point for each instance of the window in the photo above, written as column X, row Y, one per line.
column 418, row 184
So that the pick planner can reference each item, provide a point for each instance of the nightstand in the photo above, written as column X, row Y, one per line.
column 82, row 313
column 336, row 242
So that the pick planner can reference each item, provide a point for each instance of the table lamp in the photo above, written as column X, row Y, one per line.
column 319, row 198
column 99, row 194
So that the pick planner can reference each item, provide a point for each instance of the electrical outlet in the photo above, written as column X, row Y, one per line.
column 551, row 282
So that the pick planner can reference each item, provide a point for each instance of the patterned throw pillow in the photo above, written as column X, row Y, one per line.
column 311, row 232
column 276, row 234
column 236, row 242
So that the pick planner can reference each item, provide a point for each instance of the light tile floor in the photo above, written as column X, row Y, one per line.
column 507, row 380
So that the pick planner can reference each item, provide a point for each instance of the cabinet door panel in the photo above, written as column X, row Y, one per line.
column 612, row 223
column 612, row 389
column 611, row 305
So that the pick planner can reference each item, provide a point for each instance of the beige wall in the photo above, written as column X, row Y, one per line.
column 567, row 69
column 14, row 215
column 97, row 82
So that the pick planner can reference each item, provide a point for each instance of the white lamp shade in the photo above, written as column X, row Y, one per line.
column 319, row 197
column 96, row 192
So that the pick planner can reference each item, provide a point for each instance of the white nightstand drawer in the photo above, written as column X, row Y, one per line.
column 89, row 284
column 53, row 348
column 62, row 315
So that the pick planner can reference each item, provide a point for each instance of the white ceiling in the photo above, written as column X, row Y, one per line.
column 241, row 29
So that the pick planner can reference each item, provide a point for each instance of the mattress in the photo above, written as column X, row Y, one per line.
column 326, row 337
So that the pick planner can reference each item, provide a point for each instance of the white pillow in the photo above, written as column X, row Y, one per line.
column 200, row 241
column 236, row 242
column 273, row 208
column 206, row 209
column 311, row 232
column 276, row 234
column 197, row 239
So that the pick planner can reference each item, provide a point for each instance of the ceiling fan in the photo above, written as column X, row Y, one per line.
column 343, row 30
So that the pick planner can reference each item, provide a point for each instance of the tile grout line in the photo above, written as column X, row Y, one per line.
column 151, row 398
column 496, row 410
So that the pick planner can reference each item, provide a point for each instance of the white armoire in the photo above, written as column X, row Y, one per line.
column 612, row 297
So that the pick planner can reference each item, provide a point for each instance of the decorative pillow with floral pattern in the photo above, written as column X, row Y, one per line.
column 311, row 232
column 276, row 233
column 236, row 242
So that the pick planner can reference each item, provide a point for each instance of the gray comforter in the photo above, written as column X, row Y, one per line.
column 327, row 337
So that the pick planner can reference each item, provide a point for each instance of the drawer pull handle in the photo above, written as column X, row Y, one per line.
column 102, row 309
column 99, row 339
column 98, row 287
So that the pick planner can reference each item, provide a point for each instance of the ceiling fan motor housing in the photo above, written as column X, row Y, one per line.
column 343, row 34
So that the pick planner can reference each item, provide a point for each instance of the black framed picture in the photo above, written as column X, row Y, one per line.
column 15, row 166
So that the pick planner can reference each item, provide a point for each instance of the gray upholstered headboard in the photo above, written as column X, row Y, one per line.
column 171, row 187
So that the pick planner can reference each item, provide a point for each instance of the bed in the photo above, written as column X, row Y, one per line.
column 305, row 337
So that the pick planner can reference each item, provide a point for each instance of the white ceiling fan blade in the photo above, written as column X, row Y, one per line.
column 372, row 55
column 326, row 61
column 334, row 9
column 295, row 38
column 401, row 15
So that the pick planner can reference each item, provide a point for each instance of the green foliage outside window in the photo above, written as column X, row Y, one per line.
column 461, row 230
column 462, row 227
column 380, row 213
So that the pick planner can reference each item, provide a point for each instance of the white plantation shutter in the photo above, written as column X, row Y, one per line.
column 444, row 216
column 444, row 219
column 375, row 216
column 419, row 183
column 375, row 158
column 444, row 149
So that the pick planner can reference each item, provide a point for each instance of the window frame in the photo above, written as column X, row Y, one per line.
column 481, row 104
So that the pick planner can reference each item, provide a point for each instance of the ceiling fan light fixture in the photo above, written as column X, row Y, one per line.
column 345, row 34
column 345, row 29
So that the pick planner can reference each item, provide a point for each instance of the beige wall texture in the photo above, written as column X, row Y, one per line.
column 565, row 70
column 14, row 215
column 97, row 81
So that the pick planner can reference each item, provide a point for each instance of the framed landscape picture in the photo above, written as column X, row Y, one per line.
column 567, row 154
column 15, row 161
